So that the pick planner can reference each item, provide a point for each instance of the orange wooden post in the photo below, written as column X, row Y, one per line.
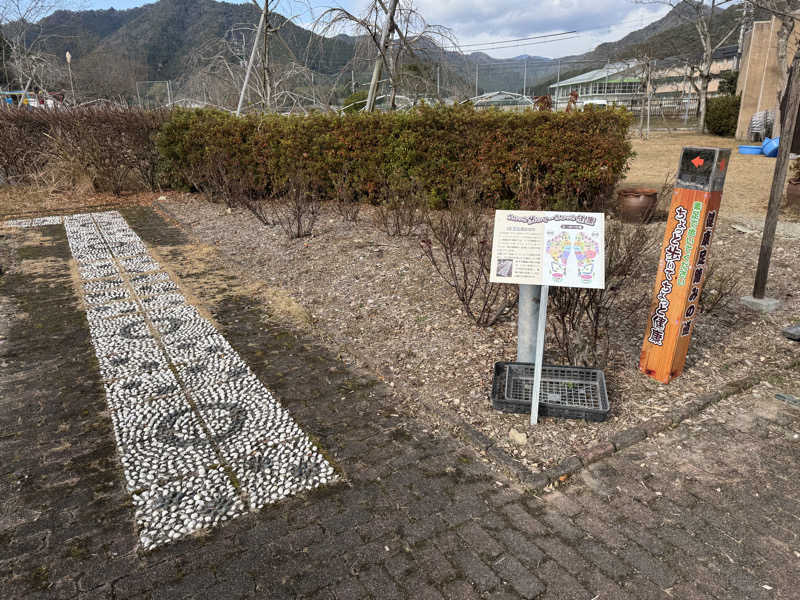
column 683, row 261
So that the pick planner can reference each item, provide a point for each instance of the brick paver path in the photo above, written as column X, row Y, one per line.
column 710, row 509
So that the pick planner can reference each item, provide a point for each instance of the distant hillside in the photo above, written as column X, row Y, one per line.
column 155, row 41
column 113, row 49
column 671, row 36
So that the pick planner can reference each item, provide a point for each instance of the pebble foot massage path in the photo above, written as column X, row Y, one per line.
column 200, row 439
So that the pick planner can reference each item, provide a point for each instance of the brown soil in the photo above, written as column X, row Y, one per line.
column 30, row 201
column 375, row 301
column 748, row 180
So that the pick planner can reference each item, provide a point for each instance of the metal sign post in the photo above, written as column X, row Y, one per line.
column 531, row 322
column 529, row 301
column 537, row 249
column 540, row 335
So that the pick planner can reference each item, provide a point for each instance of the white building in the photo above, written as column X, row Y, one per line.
column 616, row 83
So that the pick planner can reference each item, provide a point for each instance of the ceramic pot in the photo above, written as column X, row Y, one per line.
column 793, row 193
column 637, row 205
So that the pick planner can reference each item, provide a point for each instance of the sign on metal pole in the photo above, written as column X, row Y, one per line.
column 549, row 248
column 537, row 249
column 683, row 261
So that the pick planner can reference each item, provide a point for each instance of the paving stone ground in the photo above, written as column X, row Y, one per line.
column 710, row 509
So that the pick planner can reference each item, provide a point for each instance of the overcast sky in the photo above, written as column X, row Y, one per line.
column 490, row 21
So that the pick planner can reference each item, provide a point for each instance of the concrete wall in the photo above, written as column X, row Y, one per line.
column 759, row 79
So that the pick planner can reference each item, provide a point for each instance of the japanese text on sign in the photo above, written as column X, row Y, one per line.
column 548, row 248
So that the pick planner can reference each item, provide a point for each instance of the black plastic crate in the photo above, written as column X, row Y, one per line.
column 568, row 392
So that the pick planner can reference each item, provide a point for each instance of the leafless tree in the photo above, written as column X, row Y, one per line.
column 644, row 65
column 416, row 40
column 216, row 71
column 20, row 25
column 701, row 15
column 273, row 25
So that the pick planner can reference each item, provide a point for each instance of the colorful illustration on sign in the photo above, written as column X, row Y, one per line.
column 585, row 249
column 558, row 248
column 565, row 249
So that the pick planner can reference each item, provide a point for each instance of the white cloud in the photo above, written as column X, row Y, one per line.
column 484, row 21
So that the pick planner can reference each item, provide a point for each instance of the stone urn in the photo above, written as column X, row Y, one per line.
column 637, row 205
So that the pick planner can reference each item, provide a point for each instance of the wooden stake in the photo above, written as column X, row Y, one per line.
column 778, row 180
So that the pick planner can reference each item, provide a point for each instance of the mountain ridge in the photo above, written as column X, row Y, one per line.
column 112, row 49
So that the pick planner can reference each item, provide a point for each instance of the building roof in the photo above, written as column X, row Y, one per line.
column 725, row 52
column 501, row 99
column 601, row 73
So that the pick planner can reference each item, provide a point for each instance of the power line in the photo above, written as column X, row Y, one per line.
column 491, row 45
column 535, row 37
column 524, row 45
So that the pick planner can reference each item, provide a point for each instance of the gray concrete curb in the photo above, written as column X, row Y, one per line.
column 575, row 463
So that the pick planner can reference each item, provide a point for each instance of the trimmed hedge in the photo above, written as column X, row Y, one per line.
column 537, row 160
column 562, row 161
column 722, row 115
column 114, row 148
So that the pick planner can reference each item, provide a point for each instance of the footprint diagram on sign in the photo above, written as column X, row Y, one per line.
column 586, row 251
column 558, row 249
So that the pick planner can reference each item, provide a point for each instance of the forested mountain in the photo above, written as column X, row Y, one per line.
column 113, row 49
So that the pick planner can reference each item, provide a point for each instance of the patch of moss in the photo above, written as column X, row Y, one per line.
column 39, row 578
column 78, row 549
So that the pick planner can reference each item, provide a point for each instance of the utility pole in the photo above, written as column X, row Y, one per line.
column 438, row 82
column 747, row 18
column 558, row 83
column 525, row 78
column 71, row 84
column 388, row 27
column 352, row 81
column 169, row 94
column 252, row 58
column 649, row 69
column 476, row 79
column 778, row 180
column 606, row 82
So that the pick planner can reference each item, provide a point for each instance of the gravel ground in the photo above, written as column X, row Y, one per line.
column 376, row 302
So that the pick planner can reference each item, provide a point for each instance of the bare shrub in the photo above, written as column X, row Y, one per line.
column 112, row 148
column 22, row 144
column 345, row 197
column 721, row 287
column 665, row 193
column 262, row 209
column 402, row 207
column 460, row 249
column 296, row 208
column 580, row 319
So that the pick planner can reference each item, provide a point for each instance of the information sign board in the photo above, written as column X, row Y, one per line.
column 683, row 261
column 549, row 248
